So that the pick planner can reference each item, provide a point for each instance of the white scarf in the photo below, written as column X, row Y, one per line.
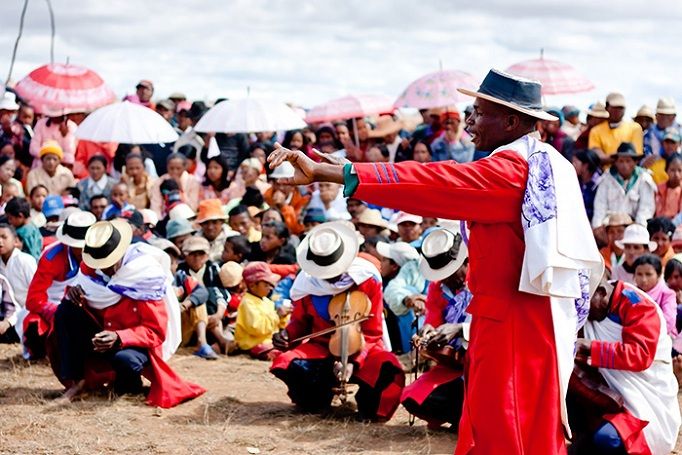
column 144, row 275
column 359, row 271
column 650, row 395
column 561, row 260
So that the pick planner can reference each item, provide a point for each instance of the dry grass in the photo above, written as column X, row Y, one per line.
column 244, row 407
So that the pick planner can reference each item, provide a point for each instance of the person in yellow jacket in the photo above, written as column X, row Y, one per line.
column 257, row 318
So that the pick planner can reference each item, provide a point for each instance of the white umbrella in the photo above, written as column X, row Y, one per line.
column 126, row 123
column 249, row 115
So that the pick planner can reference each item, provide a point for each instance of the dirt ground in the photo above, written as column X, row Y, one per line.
column 245, row 411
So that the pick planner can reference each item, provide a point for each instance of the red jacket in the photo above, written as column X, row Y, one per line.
column 512, row 402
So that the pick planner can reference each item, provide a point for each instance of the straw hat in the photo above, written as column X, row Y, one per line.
column 617, row 219
column 181, row 211
column 328, row 250
column 666, row 106
column 210, row 209
column 443, row 253
column 400, row 252
column 645, row 111
column 194, row 244
column 598, row 110
column 72, row 231
column 150, row 217
column 230, row 274
column 106, row 243
column 636, row 234
column 372, row 217
column 517, row 93
column 8, row 102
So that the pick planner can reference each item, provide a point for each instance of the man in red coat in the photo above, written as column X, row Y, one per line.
column 328, row 257
column 57, row 268
column 117, row 318
column 530, row 293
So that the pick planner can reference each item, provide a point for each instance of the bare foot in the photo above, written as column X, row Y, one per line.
column 72, row 392
column 677, row 369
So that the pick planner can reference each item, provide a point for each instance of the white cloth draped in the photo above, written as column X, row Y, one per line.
column 649, row 395
column 144, row 275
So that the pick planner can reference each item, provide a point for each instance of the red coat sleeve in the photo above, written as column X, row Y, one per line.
column 36, row 298
column 434, row 305
column 151, row 332
column 641, row 331
column 372, row 329
column 300, row 323
column 487, row 191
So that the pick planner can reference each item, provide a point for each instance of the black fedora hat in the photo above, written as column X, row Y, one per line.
column 522, row 95
column 627, row 149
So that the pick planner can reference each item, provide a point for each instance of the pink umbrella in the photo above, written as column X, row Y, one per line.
column 437, row 89
column 350, row 107
column 557, row 78
column 58, row 89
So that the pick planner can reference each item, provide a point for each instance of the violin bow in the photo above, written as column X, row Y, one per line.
column 330, row 329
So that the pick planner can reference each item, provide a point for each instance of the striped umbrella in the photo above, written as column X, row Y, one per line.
column 557, row 78
column 437, row 89
column 58, row 89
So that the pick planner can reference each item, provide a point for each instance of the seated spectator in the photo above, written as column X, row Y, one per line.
column 211, row 218
column 216, row 181
column 98, row 204
column 625, row 188
column 615, row 224
column 98, row 182
column 241, row 222
column 588, row 167
column 626, row 348
column 119, row 202
column 661, row 231
column 37, row 197
column 231, row 277
column 453, row 143
column 248, row 175
column 177, row 231
column 370, row 223
column 8, row 313
column 176, row 166
column 52, row 175
column 138, row 180
column 273, row 247
column 237, row 248
column 635, row 243
column 648, row 271
column 404, row 295
column 9, row 184
column 421, row 152
column 257, row 318
column 658, row 164
column 18, row 213
column 286, row 198
column 606, row 137
column 669, row 195
column 313, row 217
column 329, row 197
column 207, row 273
column 409, row 227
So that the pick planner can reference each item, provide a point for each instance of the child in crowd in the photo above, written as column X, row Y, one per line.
column 207, row 273
column 257, row 318
column 37, row 197
column 138, row 180
column 669, row 195
column 98, row 182
column 18, row 212
column 237, row 249
column 231, row 277
column 119, row 202
column 648, row 270
column 635, row 243
column 216, row 182
column 661, row 231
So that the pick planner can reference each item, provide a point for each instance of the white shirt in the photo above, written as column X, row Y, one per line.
column 19, row 271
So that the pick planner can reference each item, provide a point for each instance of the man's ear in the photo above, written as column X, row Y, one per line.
column 512, row 122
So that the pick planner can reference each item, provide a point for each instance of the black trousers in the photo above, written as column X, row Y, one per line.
column 75, row 330
column 10, row 336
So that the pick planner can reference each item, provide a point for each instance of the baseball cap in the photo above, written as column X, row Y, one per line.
column 615, row 99
column 52, row 205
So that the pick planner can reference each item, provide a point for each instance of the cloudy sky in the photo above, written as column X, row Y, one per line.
column 308, row 51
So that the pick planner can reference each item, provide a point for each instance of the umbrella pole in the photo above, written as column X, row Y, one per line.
column 355, row 133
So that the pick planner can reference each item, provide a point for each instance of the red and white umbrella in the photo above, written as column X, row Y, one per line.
column 58, row 89
column 437, row 89
column 350, row 107
column 557, row 78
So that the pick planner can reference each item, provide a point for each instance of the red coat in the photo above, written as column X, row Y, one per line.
column 305, row 319
column 56, row 264
column 512, row 400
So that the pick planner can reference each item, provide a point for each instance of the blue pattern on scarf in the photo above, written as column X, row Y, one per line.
column 455, row 310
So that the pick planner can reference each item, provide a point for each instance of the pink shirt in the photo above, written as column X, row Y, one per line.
column 42, row 133
column 665, row 297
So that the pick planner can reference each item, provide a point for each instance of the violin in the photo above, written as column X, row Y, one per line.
column 442, row 355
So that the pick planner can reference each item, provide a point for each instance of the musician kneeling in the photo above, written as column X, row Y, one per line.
column 328, row 257
column 437, row 395
column 623, row 395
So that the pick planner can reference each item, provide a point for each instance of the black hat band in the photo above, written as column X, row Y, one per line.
column 75, row 232
column 105, row 250
column 324, row 261
column 439, row 261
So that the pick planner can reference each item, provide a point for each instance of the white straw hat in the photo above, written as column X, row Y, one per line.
column 181, row 210
column 636, row 234
column 328, row 250
column 72, row 231
column 106, row 243
column 443, row 253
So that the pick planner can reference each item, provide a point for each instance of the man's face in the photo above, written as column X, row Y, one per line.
column 165, row 113
column 50, row 163
column 625, row 165
column 487, row 125
column 599, row 305
column 196, row 260
column 644, row 122
column 368, row 230
column 457, row 279
column 328, row 191
column 144, row 92
column 665, row 120
column 409, row 231
column 615, row 113
column 355, row 207
column 97, row 207
column 388, row 267
column 632, row 252
column 211, row 229
column 670, row 147
column 241, row 223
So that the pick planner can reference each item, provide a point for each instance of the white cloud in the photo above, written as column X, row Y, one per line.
column 311, row 51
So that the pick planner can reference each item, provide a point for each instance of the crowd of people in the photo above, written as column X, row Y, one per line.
column 113, row 255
